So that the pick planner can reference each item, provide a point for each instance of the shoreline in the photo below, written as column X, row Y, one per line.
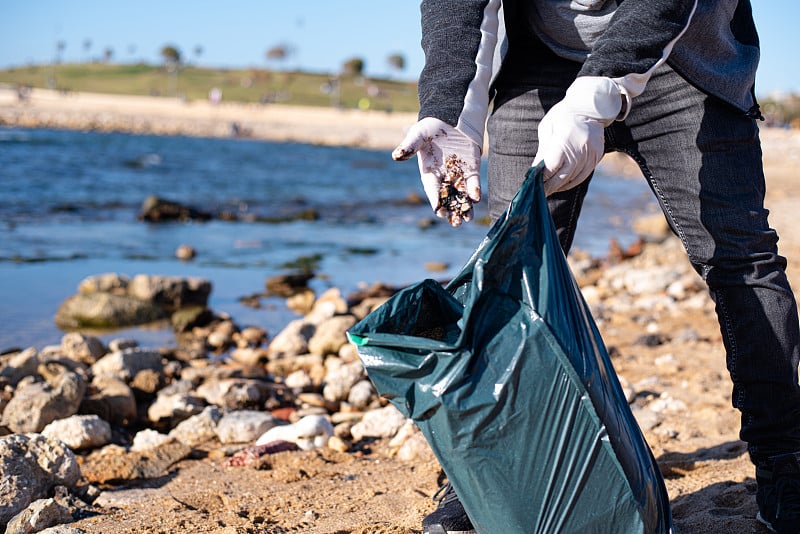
column 170, row 116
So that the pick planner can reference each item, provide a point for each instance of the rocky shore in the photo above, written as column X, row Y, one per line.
column 236, row 429
column 208, row 436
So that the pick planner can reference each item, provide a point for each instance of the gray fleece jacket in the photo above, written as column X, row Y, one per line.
column 711, row 43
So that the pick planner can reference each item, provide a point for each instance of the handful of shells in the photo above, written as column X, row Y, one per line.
column 453, row 191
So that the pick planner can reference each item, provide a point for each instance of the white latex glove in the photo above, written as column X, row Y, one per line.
column 434, row 141
column 571, row 138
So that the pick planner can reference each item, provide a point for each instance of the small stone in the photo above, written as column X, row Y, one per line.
column 339, row 381
column 338, row 444
column 436, row 266
column 361, row 394
column 148, row 439
column 41, row 514
column 198, row 428
column 126, row 363
column 185, row 252
column 381, row 423
column 79, row 431
column 330, row 335
column 243, row 426
column 298, row 380
column 82, row 348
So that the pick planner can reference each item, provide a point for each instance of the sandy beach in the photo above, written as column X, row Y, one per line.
column 372, row 489
column 169, row 116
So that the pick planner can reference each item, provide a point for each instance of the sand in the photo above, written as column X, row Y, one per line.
column 708, row 476
column 170, row 116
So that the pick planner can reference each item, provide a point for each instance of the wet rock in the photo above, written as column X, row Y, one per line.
column 104, row 283
column 199, row 428
column 32, row 465
column 185, row 252
column 382, row 423
column 127, row 363
column 34, row 406
column 156, row 209
column 81, row 348
column 79, row 431
column 105, row 310
column 39, row 515
column 286, row 285
column 310, row 432
column 331, row 334
column 170, row 292
column 188, row 317
column 244, row 426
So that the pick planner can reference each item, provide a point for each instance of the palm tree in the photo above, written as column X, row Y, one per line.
column 396, row 61
column 279, row 53
column 353, row 66
column 172, row 60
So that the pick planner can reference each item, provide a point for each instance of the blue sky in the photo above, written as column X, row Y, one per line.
column 322, row 33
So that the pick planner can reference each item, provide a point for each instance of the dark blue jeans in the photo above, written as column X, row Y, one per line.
column 702, row 159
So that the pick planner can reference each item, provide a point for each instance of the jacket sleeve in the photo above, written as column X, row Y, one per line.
column 458, row 39
column 638, row 40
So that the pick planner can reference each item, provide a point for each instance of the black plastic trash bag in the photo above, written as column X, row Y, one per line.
column 506, row 375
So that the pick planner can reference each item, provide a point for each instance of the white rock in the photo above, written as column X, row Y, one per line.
column 292, row 340
column 361, row 394
column 147, row 439
column 340, row 379
column 310, row 432
column 298, row 380
column 126, row 363
column 79, row 431
column 382, row 423
column 198, row 428
column 243, row 426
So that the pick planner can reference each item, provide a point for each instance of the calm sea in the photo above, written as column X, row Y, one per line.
column 69, row 203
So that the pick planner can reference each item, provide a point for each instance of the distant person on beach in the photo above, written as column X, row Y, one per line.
column 671, row 84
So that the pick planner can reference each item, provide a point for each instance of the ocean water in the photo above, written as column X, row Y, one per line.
column 69, row 203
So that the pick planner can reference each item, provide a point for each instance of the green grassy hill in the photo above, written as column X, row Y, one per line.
column 238, row 85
